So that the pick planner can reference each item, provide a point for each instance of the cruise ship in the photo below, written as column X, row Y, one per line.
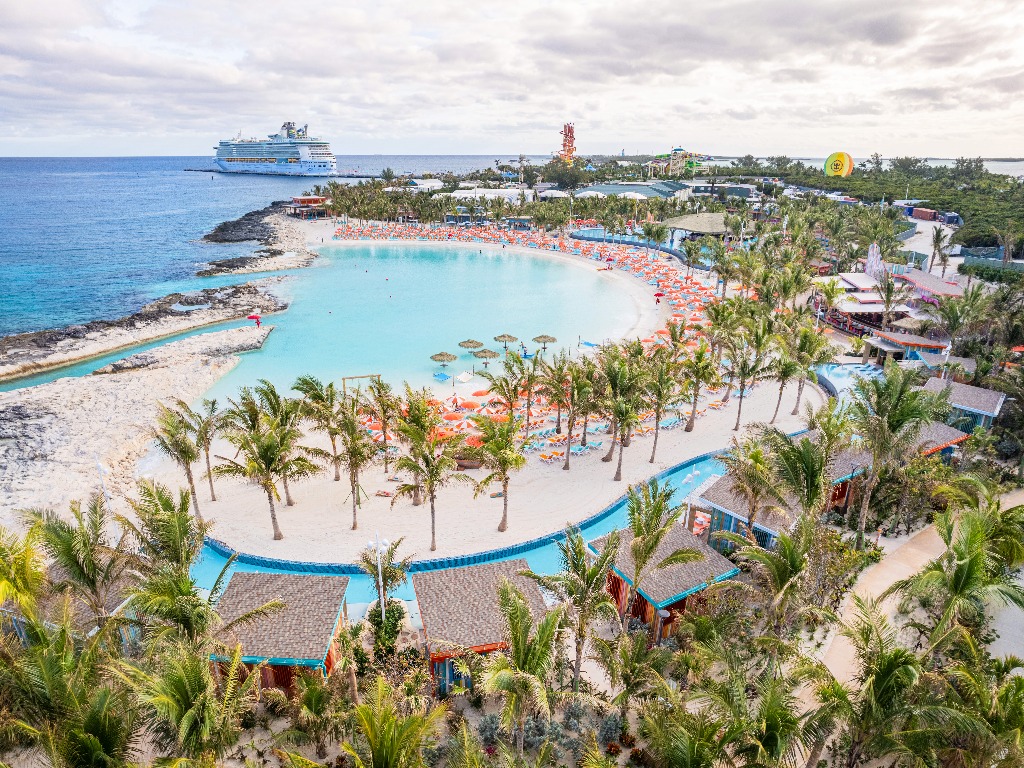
column 289, row 152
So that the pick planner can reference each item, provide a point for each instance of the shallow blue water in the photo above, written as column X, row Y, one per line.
column 385, row 309
column 842, row 376
column 544, row 558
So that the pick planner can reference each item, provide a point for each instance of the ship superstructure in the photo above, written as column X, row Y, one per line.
column 289, row 152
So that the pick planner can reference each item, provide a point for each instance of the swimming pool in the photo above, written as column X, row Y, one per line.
column 838, row 378
column 541, row 554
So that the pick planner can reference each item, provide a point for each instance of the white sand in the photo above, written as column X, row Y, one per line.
column 542, row 498
column 53, row 435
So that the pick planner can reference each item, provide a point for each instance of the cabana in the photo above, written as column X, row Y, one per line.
column 459, row 609
column 303, row 634
column 929, row 287
column 698, row 224
column 976, row 406
column 899, row 346
column 663, row 597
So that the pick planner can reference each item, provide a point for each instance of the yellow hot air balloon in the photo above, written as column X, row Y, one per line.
column 838, row 164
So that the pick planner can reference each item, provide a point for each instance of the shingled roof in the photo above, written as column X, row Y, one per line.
column 668, row 585
column 936, row 436
column 302, row 632
column 968, row 397
column 459, row 606
column 929, row 283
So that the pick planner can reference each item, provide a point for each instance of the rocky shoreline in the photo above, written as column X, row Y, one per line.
column 283, row 241
column 27, row 353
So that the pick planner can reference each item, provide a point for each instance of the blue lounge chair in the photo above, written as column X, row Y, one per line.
column 441, row 376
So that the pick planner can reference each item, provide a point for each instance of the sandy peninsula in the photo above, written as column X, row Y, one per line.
column 55, row 436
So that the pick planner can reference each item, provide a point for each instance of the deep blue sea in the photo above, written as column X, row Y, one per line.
column 88, row 238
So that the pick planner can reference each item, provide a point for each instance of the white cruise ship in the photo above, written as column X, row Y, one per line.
column 289, row 152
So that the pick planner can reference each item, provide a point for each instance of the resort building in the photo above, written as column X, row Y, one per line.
column 648, row 189
column 303, row 634
column 663, row 597
column 883, row 345
column 929, row 287
column 459, row 609
column 972, row 406
column 940, row 438
column 307, row 207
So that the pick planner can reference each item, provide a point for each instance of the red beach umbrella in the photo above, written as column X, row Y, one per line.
column 659, row 294
column 253, row 317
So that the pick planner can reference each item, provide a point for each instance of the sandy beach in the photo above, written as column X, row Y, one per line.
column 64, row 428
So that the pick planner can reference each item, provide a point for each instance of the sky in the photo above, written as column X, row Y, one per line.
column 766, row 77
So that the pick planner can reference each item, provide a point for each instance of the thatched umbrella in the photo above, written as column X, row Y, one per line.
column 470, row 344
column 506, row 339
column 544, row 340
column 486, row 355
column 443, row 358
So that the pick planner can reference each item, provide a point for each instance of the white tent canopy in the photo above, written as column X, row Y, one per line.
column 591, row 193
column 549, row 193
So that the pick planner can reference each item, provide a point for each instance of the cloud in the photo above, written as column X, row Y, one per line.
column 790, row 76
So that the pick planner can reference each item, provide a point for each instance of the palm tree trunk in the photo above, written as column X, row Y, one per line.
column 778, row 403
column 558, row 418
column 739, row 409
column 728, row 388
column 693, row 411
column 657, row 431
column 503, row 525
column 568, row 443
column 799, row 394
column 433, row 524
column 334, row 456
column 353, row 683
column 622, row 447
column 520, row 736
column 611, row 451
column 354, row 483
column 384, row 428
column 192, row 490
column 630, row 592
column 209, row 474
column 583, row 437
column 288, row 500
column 865, row 503
column 273, row 517
column 578, row 664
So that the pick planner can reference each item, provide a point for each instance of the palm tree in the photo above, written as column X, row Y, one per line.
column 751, row 474
column 266, row 457
column 89, row 561
column 698, row 371
column 940, row 242
column 747, row 361
column 168, row 535
column 783, row 369
column 417, row 421
column 387, row 738
column 357, row 450
column 888, row 414
column 554, row 384
column 1008, row 238
column 578, row 399
column 809, row 350
column 317, row 712
column 961, row 582
column 580, row 587
column 678, row 738
column 174, row 437
column 634, row 668
column 56, row 694
column 502, row 454
column 390, row 574
column 801, row 467
column 321, row 404
column 625, row 411
column 520, row 674
column 194, row 716
column 204, row 425
column 22, row 569
column 661, row 387
column 385, row 407
column 886, row 709
column 651, row 519
column 287, row 414
column 433, row 464
column 527, row 375
column 891, row 294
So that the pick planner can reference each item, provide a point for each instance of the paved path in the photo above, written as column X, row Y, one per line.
column 923, row 547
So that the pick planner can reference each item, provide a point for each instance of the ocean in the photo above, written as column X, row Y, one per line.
column 96, row 238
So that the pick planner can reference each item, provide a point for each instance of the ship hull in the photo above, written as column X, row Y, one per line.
column 272, row 169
